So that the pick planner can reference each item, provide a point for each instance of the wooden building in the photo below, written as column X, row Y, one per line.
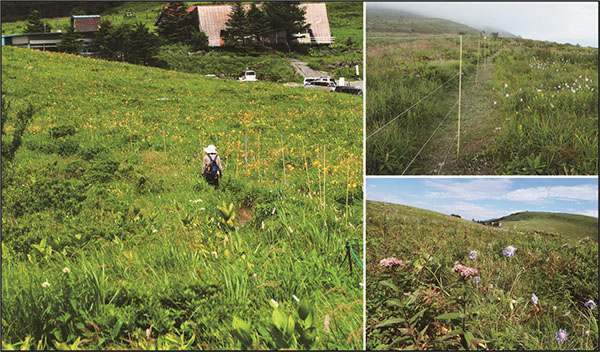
column 211, row 20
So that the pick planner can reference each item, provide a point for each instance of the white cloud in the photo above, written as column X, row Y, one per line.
column 477, row 189
column 593, row 213
column 542, row 194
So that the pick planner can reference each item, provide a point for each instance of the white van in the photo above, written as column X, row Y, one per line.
column 248, row 76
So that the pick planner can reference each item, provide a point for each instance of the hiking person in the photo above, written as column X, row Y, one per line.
column 211, row 166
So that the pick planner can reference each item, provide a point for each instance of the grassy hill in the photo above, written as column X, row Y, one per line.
column 107, row 185
column 386, row 21
column 570, row 225
column 424, row 304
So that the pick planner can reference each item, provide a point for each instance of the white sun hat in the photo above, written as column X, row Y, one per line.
column 210, row 149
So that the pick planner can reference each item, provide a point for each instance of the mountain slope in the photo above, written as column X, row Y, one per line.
column 571, row 225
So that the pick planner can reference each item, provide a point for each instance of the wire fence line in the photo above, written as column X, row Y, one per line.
column 428, row 139
column 447, row 153
column 412, row 106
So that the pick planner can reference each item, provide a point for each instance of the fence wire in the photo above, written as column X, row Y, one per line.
column 428, row 139
column 415, row 104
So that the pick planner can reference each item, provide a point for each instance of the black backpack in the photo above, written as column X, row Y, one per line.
column 213, row 169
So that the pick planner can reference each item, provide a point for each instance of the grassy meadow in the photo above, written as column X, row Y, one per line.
column 421, row 303
column 528, row 107
column 112, row 240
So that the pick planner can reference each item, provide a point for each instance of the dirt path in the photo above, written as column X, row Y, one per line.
column 478, row 121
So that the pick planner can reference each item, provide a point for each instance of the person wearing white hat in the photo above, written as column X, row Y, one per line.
column 212, row 169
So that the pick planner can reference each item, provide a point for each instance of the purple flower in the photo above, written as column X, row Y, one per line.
column 472, row 254
column 476, row 280
column 561, row 336
column 590, row 304
column 534, row 299
column 509, row 251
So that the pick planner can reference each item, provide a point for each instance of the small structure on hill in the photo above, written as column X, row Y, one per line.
column 85, row 25
column 211, row 19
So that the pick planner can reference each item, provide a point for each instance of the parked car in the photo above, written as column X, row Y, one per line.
column 248, row 76
column 321, row 85
column 349, row 90
column 308, row 80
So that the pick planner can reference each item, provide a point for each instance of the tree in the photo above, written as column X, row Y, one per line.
column 286, row 16
column 176, row 24
column 199, row 41
column 70, row 42
column 113, row 43
column 258, row 25
column 237, row 26
column 143, row 45
column 35, row 24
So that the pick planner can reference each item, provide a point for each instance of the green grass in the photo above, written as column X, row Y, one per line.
column 107, row 184
column 423, row 304
column 575, row 226
column 534, row 126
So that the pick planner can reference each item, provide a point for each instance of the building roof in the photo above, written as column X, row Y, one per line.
column 212, row 20
column 23, row 34
column 85, row 16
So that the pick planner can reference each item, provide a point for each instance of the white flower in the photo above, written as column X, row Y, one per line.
column 66, row 270
column 154, row 230
column 586, row 79
column 505, row 85
column 539, row 90
column 521, row 99
column 290, row 229
column 46, row 284
column 494, row 102
column 275, row 303
column 296, row 298
column 552, row 105
column 273, row 212
column 254, row 277
column 507, row 95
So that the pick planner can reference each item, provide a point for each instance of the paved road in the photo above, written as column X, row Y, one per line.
column 305, row 71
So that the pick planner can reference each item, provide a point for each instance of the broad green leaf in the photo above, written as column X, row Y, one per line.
column 303, row 309
column 390, row 322
column 394, row 302
column 388, row 283
column 448, row 316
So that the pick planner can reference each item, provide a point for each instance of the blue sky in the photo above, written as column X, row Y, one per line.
column 485, row 198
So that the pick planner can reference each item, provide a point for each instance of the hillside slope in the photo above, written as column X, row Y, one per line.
column 421, row 302
column 571, row 225
column 107, row 185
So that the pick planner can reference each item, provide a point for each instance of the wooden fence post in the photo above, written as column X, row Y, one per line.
column 459, row 96
column 477, row 71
